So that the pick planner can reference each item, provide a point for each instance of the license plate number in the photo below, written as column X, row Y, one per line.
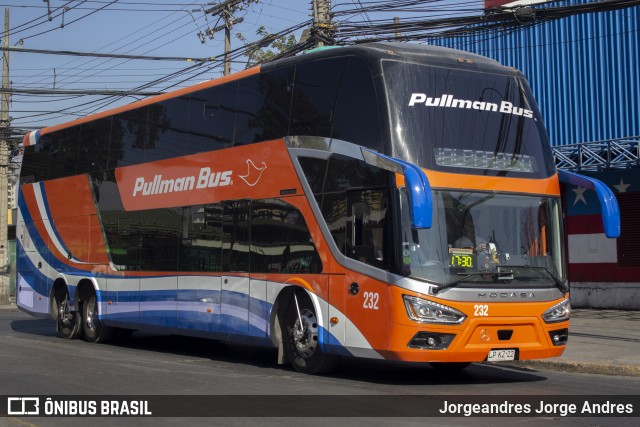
column 501, row 355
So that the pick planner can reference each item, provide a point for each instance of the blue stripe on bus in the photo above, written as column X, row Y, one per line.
column 30, row 273
column 41, row 247
column 230, row 325
column 181, row 320
column 330, row 343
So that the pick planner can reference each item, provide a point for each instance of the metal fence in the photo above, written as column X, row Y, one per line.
column 621, row 153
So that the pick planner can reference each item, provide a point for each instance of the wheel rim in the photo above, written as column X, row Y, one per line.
column 92, row 314
column 63, row 313
column 305, row 335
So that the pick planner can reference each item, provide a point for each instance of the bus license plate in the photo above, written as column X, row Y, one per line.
column 501, row 355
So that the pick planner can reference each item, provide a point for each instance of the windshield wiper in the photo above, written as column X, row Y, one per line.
column 454, row 282
column 559, row 284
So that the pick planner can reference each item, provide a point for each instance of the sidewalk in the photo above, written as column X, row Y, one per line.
column 600, row 342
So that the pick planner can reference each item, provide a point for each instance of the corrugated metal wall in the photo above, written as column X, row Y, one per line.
column 584, row 71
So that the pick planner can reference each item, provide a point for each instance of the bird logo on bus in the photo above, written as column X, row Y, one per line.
column 253, row 173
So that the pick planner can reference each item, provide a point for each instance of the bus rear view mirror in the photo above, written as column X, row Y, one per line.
column 416, row 181
column 608, row 203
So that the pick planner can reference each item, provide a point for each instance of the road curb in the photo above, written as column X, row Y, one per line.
column 578, row 367
column 8, row 307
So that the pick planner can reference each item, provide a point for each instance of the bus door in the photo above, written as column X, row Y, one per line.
column 199, row 302
column 368, row 218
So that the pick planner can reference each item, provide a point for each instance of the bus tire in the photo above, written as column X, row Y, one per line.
column 94, row 330
column 449, row 367
column 68, row 323
column 302, row 344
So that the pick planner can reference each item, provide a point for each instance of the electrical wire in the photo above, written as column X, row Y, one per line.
column 103, row 55
column 422, row 21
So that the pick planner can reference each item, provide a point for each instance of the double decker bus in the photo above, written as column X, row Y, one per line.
column 384, row 201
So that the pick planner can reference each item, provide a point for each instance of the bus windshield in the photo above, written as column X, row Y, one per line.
column 485, row 239
column 461, row 121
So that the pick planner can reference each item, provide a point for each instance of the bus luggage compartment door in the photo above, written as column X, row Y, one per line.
column 234, row 307
column 199, row 303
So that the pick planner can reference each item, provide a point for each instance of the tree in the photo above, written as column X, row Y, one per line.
column 267, row 47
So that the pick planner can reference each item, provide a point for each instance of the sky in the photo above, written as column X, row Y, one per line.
column 160, row 28
column 149, row 28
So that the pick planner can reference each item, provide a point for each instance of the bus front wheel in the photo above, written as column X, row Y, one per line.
column 301, row 337
column 94, row 330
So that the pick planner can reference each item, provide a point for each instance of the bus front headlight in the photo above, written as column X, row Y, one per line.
column 425, row 311
column 558, row 313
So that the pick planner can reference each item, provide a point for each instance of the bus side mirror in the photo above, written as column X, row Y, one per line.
column 608, row 202
column 416, row 181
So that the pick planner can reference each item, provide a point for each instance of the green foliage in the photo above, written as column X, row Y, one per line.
column 267, row 47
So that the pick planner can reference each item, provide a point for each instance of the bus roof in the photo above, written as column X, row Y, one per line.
column 425, row 54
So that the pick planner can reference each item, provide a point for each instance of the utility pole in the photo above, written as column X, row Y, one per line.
column 227, row 43
column 396, row 25
column 4, row 169
column 225, row 11
column 322, row 27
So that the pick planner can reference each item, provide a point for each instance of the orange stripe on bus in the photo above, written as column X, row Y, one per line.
column 549, row 186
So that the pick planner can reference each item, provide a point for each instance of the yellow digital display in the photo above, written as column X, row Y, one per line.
column 461, row 260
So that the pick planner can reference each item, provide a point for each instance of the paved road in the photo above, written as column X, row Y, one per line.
column 34, row 361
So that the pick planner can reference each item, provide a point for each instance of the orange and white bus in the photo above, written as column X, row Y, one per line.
column 384, row 201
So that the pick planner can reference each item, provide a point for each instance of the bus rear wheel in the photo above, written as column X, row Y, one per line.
column 94, row 330
column 301, row 337
column 68, row 323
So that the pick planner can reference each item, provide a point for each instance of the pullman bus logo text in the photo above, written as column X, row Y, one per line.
column 448, row 101
column 206, row 179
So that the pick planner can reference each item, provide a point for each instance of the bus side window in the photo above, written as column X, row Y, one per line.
column 264, row 103
column 123, row 234
column 128, row 138
column 367, row 227
column 64, row 153
column 334, row 211
column 280, row 239
column 356, row 116
column 212, row 116
column 314, row 170
column 235, row 229
column 93, row 150
column 167, row 129
column 201, row 244
column 35, row 161
column 159, row 229
column 314, row 97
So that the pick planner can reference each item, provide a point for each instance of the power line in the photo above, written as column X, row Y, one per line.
column 66, row 80
column 103, row 55
column 63, row 25
column 78, row 92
